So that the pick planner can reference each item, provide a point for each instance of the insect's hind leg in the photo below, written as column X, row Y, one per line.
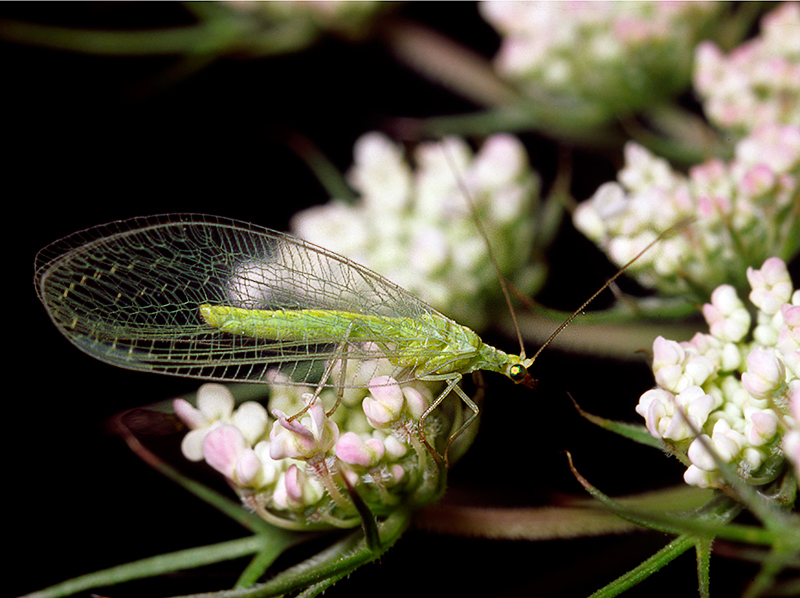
column 474, row 405
column 452, row 386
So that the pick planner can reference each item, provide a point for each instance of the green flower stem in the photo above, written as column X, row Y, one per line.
column 447, row 63
column 168, row 563
column 682, row 136
column 328, row 175
column 703, row 550
column 327, row 567
column 585, row 124
column 734, row 29
column 784, row 554
column 175, row 40
column 218, row 32
column 262, row 560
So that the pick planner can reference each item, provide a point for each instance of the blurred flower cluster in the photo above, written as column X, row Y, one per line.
column 416, row 227
column 295, row 471
column 617, row 56
column 724, row 396
column 743, row 211
column 303, row 20
column 759, row 82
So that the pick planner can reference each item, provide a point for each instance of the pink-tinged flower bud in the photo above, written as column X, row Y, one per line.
column 791, row 316
column 303, row 439
column 215, row 408
column 417, row 400
column 657, row 406
column 354, row 451
column 752, row 459
column 727, row 317
column 248, row 470
column 727, row 443
column 762, row 427
column 294, row 484
column 295, row 489
column 772, row 285
column 672, row 377
column 698, row 369
column 222, row 448
column 758, row 181
column 794, row 401
column 394, row 448
column 791, row 438
column 385, row 405
column 791, row 447
column 694, row 476
column 665, row 414
column 667, row 352
column 765, row 373
column 709, row 62
column 699, row 455
column 668, row 364
column 397, row 472
column 696, row 405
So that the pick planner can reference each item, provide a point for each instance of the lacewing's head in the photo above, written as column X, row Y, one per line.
column 518, row 372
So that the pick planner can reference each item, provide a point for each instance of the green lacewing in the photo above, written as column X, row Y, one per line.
column 213, row 298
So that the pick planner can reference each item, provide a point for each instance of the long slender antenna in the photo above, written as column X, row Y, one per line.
column 619, row 273
column 503, row 284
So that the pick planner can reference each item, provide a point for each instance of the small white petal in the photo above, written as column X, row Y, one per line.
column 215, row 401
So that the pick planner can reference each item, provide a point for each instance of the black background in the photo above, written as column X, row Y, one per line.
column 84, row 146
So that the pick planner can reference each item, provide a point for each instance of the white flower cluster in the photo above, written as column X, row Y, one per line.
column 294, row 472
column 743, row 212
column 759, row 82
column 724, row 397
column 416, row 227
column 619, row 56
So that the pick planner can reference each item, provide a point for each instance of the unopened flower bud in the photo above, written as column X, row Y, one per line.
column 765, row 373
column 385, row 405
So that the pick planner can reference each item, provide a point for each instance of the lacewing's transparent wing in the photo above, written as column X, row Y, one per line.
column 129, row 292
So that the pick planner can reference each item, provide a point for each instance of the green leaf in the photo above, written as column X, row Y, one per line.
column 663, row 557
column 636, row 432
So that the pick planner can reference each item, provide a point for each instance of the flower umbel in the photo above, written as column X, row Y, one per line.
column 292, row 470
column 759, row 82
column 743, row 212
column 614, row 56
column 724, row 398
column 415, row 226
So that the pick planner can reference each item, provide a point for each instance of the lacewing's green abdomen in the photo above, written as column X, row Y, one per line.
column 429, row 345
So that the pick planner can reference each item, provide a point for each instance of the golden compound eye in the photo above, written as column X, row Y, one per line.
column 517, row 372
